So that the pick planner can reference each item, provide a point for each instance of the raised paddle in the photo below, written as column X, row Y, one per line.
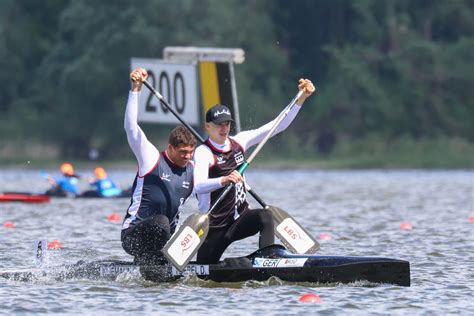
column 290, row 233
column 186, row 241
column 287, row 229
column 189, row 127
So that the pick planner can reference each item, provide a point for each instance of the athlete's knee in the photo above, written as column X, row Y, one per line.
column 160, row 220
column 129, row 244
column 161, row 225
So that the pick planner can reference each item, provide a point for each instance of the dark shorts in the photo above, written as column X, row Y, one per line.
column 145, row 240
column 249, row 223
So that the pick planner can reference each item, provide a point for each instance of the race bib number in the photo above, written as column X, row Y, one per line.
column 240, row 195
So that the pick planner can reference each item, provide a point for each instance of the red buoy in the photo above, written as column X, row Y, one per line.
column 310, row 298
column 406, row 226
column 325, row 236
column 9, row 224
column 55, row 244
column 114, row 217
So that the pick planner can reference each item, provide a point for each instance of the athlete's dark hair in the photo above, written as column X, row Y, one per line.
column 180, row 135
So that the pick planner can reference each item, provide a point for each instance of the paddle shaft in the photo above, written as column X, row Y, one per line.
column 196, row 134
column 270, row 133
column 204, row 217
column 246, row 164
column 181, row 246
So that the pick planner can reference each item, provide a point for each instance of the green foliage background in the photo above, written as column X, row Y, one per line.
column 394, row 78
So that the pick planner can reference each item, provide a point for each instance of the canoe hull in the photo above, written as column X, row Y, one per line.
column 23, row 197
column 275, row 261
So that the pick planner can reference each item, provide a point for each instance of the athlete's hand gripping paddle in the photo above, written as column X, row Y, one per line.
column 185, row 242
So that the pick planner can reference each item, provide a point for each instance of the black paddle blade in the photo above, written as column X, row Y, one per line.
column 291, row 234
column 186, row 241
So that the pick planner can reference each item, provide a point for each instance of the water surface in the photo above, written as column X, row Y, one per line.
column 360, row 210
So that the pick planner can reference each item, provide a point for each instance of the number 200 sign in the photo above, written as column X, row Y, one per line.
column 177, row 83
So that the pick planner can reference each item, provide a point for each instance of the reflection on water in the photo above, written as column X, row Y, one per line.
column 359, row 212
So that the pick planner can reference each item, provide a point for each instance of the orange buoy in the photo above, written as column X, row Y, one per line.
column 55, row 244
column 310, row 298
column 9, row 224
column 471, row 218
column 114, row 217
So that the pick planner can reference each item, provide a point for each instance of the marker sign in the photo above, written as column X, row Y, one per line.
column 177, row 83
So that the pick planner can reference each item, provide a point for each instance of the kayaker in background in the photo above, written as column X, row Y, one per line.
column 66, row 184
column 163, row 183
column 216, row 162
column 103, row 184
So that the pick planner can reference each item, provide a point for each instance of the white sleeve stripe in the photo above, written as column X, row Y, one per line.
column 136, row 202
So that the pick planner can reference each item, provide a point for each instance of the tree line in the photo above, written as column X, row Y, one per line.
column 383, row 69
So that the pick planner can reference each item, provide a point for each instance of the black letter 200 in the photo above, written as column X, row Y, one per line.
column 164, row 87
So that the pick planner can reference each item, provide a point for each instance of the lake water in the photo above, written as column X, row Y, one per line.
column 362, row 212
